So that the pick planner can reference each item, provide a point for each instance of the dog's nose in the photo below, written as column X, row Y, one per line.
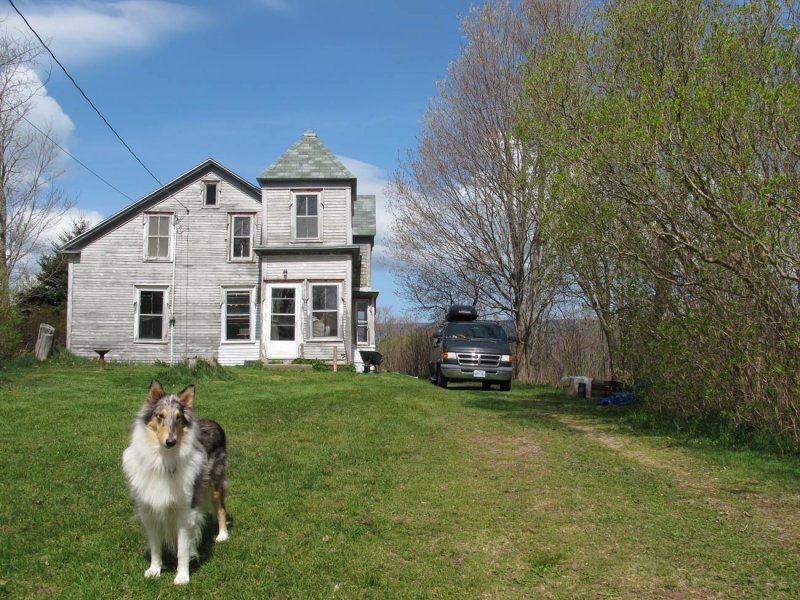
column 170, row 441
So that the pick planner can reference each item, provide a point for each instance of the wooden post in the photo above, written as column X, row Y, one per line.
column 334, row 359
column 44, row 342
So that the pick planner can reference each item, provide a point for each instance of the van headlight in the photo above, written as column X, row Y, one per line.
column 505, row 358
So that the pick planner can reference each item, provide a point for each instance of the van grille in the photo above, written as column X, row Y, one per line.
column 468, row 359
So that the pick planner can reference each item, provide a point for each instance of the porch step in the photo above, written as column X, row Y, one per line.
column 286, row 366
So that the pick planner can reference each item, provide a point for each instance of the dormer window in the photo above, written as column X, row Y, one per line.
column 210, row 194
column 307, row 216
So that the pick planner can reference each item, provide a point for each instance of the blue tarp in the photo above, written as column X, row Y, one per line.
column 618, row 399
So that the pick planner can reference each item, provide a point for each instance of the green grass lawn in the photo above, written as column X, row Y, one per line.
column 382, row 486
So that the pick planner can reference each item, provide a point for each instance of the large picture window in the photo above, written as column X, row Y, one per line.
column 241, row 237
column 151, row 314
column 324, row 311
column 307, row 216
column 237, row 315
column 157, row 237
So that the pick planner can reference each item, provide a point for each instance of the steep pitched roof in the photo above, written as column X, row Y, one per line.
column 364, row 215
column 308, row 158
column 77, row 243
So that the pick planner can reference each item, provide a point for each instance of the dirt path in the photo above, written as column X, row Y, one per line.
column 733, row 499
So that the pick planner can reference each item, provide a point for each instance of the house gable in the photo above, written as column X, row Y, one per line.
column 209, row 169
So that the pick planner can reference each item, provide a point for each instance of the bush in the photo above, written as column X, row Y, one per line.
column 10, row 332
column 190, row 371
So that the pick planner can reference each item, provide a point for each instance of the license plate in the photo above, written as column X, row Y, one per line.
column 480, row 374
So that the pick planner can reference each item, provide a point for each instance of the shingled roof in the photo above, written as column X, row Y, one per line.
column 308, row 159
column 364, row 215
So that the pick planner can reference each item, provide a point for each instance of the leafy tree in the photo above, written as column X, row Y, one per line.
column 673, row 133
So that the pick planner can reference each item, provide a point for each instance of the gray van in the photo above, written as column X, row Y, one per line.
column 466, row 349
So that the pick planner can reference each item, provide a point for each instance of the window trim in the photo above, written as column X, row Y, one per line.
column 338, row 334
column 295, row 216
column 358, row 323
column 224, row 311
column 206, row 183
column 166, row 315
column 231, row 218
column 170, row 236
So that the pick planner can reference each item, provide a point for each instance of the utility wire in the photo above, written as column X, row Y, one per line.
column 77, row 160
column 75, row 83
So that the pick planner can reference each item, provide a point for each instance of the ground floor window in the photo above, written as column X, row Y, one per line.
column 362, row 321
column 238, row 315
column 324, row 310
column 151, row 314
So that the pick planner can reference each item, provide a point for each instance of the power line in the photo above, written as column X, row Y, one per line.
column 75, row 83
column 77, row 160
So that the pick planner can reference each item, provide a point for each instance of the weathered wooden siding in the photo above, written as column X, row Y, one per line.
column 363, row 272
column 278, row 214
column 309, row 270
column 108, row 270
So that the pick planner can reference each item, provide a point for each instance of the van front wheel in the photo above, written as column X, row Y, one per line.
column 505, row 386
column 440, row 380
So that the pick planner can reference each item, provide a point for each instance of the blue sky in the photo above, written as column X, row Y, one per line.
column 239, row 81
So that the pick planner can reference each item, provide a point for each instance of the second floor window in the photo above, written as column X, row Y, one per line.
column 307, row 224
column 158, row 237
column 241, row 237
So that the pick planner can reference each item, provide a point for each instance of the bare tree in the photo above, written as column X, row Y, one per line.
column 30, row 203
column 467, row 201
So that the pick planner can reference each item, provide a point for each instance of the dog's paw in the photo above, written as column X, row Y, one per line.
column 221, row 536
column 153, row 572
column 181, row 579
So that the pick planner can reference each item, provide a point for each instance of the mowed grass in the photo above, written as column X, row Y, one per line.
column 382, row 486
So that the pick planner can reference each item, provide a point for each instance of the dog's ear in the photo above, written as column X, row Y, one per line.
column 155, row 392
column 186, row 395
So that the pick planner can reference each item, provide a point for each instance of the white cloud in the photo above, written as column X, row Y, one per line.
column 27, row 268
column 89, row 32
column 64, row 223
column 46, row 116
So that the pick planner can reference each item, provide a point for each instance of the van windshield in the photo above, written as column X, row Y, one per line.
column 475, row 331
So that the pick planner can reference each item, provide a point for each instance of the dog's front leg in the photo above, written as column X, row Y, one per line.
column 184, row 554
column 155, row 541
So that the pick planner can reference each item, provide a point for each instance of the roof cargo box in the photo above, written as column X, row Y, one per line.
column 462, row 312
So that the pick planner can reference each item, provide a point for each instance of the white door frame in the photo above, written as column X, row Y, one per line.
column 282, row 349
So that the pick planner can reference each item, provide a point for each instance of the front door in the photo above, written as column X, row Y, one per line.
column 282, row 321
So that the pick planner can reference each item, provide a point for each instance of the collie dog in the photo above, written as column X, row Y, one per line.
column 176, row 467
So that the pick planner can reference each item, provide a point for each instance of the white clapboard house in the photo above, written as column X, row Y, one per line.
column 213, row 266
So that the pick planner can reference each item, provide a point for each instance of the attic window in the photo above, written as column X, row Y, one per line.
column 210, row 193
